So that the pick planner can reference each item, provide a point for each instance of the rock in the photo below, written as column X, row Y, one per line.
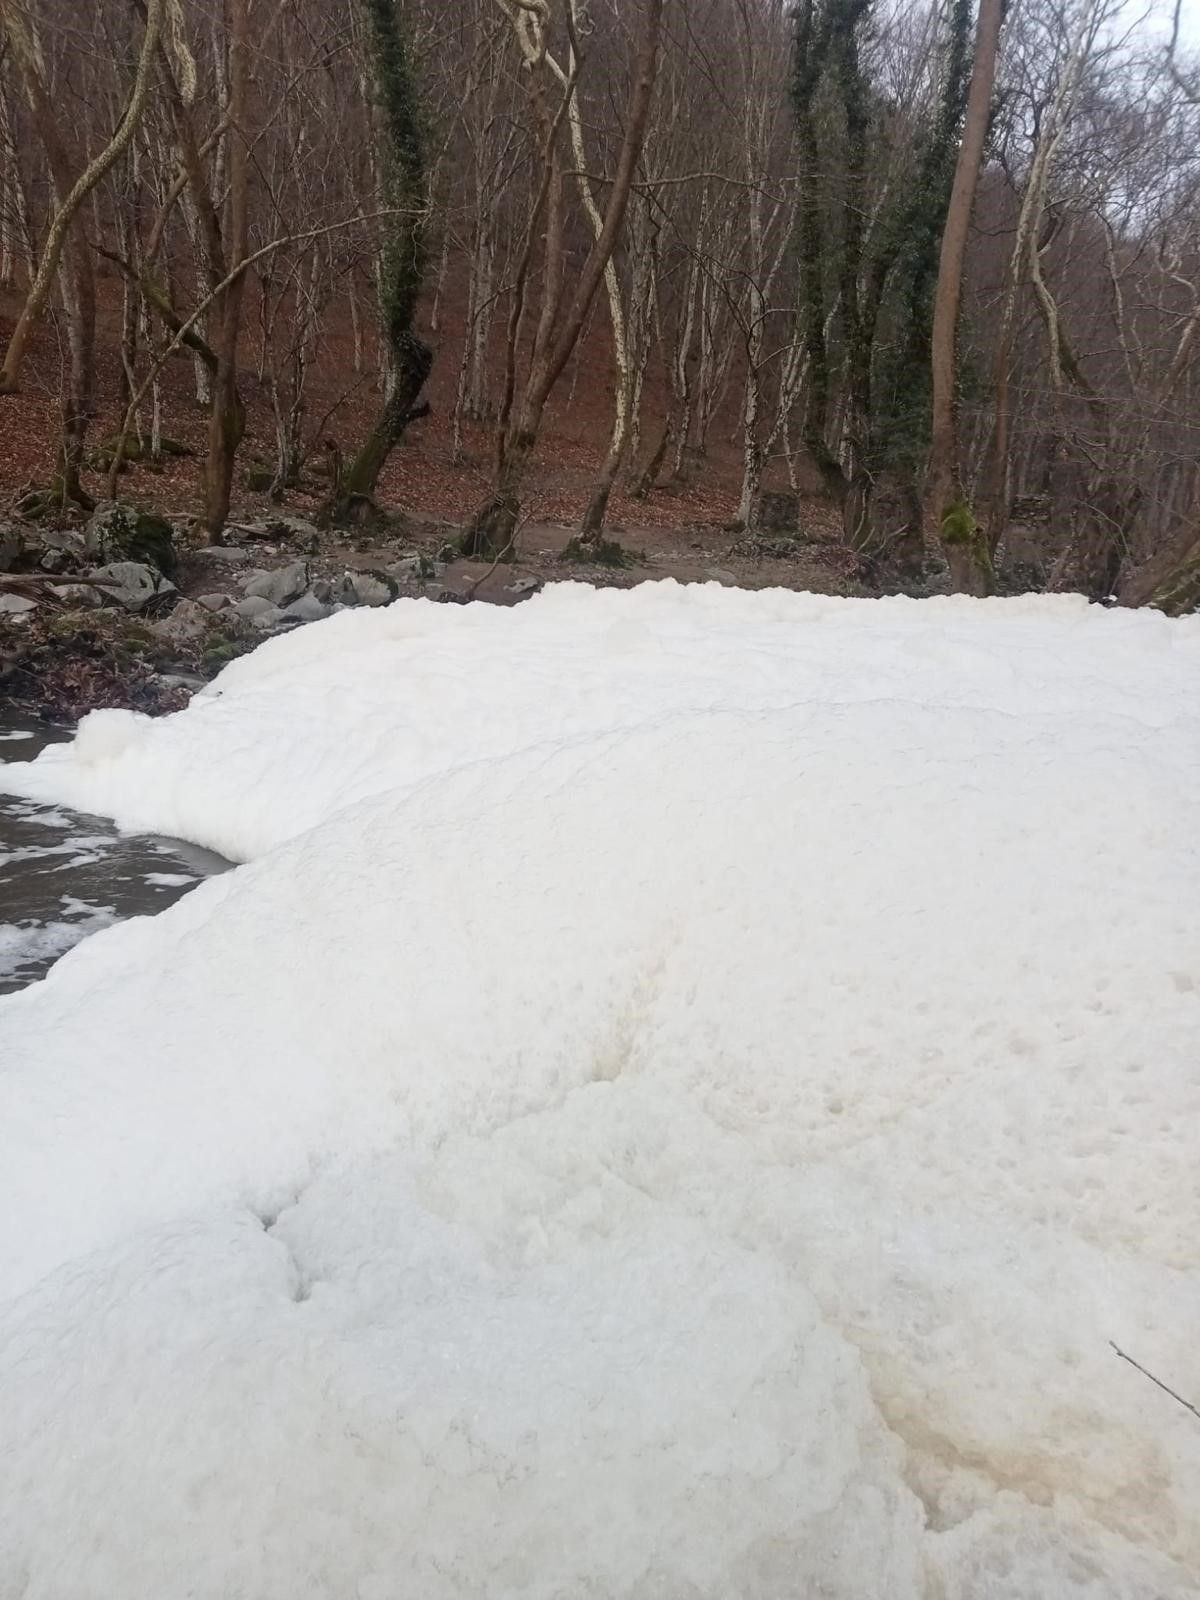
column 188, row 622
column 307, row 609
column 281, row 586
column 416, row 568
column 213, row 602
column 121, row 533
column 11, row 546
column 367, row 589
column 181, row 680
column 77, row 594
column 525, row 586
column 721, row 575
column 132, row 584
column 16, row 605
column 228, row 554
column 62, row 550
column 259, row 612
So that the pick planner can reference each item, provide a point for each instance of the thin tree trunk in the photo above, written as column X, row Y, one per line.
column 227, row 418
column 493, row 529
column 950, row 515
column 70, row 202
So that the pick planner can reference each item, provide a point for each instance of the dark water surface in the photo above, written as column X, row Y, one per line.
column 63, row 875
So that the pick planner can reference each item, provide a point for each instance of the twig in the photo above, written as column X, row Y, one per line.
column 1186, row 1404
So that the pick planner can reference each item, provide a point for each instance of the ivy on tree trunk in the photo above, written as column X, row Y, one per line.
column 402, row 275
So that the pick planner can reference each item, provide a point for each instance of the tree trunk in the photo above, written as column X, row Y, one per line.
column 553, row 349
column 227, row 417
column 402, row 268
column 944, row 488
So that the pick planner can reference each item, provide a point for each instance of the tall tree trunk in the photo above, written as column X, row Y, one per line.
column 402, row 268
column 227, row 417
column 964, row 548
column 491, row 533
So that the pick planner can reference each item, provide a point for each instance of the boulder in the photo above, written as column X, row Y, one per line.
column 280, row 586
column 229, row 555
column 61, row 550
column 307, row 609
column 187, row 623
column 260, row 612
column 11, row 546
column 16, row 605
column 416, row 568
column 213, row 601
column 367, row 589
column 118, row 532
column 77, row 594
column 132, row 584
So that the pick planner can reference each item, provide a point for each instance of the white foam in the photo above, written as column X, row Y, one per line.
column 680, row 1107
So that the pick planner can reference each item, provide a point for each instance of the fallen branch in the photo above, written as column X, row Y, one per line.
column 1186, row 1404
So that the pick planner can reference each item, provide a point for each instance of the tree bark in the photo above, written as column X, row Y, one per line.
column 227, row 417
column 944, row 490
column 402, row 271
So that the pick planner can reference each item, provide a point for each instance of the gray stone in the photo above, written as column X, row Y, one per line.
column 367, row 589
column 229, row 555
column 63, row 549
column 77, row 594
column 181, row 680
column 307, row 609
column 253, row 606
column 213, row 601
column 16, row 605
column 416, row 568
column 186, row 623
column 118, row 532
column 11, row 546
column 131, row 584
column 266, row 620
column 721, row 575
column 281, row 586
column 525, row 586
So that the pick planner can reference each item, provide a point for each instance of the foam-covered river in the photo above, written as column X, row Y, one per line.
column 63, row 875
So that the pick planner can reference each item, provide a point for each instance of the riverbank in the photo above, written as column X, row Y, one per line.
column 137, row 609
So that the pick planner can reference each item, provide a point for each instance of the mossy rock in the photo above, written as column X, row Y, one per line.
column 122, row 533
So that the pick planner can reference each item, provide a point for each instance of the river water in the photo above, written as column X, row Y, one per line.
column 64, row 875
